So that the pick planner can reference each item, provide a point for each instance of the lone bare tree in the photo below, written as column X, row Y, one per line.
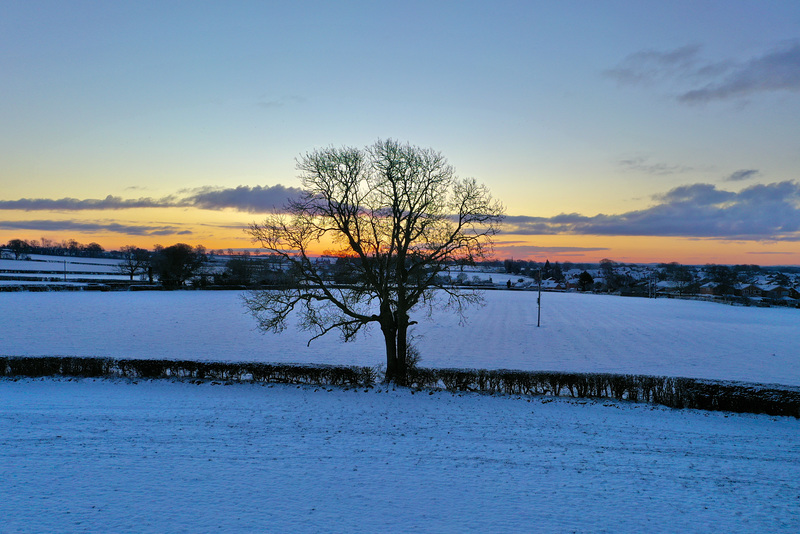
column 400, row 216
column 134, row 261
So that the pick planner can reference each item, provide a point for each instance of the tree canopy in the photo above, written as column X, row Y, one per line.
column 178, row 263
column 400, row 216
column 134, row 261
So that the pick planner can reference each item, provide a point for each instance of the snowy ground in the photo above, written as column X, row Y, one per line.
column 116, row 456
column 38, row 262
column 112, row 456
column 578, row 333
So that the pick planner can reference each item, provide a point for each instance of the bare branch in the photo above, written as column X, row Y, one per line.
column 400, row 214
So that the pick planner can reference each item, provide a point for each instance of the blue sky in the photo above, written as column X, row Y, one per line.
column 639, row 131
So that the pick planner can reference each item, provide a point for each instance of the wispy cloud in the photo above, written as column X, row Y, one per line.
column 242, row 198
column 648, row 167
column 265, row 101
column 94, row 227
column 741, row 175
column 758, row 213
column 524, row 250
column 698, row 80
column 651, row 66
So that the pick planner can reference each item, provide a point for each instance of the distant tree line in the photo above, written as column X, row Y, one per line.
column 20, row 248
column 172, row 266
column 243, row 269
column 534, row 269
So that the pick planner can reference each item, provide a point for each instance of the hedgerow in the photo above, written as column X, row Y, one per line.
column 39, row 366
column 674, row 392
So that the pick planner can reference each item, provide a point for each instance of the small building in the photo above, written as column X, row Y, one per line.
column 709, row 288
column 777, row 292
column 750, row 291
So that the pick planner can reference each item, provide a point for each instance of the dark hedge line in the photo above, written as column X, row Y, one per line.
column 674, row 392
column 38, row 366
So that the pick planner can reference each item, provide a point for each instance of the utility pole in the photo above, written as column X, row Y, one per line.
column 539, row 302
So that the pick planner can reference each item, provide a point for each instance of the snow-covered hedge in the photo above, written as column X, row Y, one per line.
column 675, row 392
column 36, row 366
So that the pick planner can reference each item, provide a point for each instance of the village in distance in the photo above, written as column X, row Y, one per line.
column 52, row 266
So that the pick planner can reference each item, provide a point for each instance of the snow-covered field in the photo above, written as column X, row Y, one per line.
column 578, row 333
column 113, row 456
column 119, row 456
column 60, row 269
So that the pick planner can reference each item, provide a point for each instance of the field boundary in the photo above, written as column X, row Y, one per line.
column 673, row 392
column 99, row 367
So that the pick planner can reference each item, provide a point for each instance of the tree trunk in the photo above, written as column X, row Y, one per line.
column 402, row 349
column 390, row 339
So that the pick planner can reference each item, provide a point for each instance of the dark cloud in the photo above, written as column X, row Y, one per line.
column 74, row 204
column 528, row 225
column 741, row 175
column 757, row 213
column 760, row 212
column 696, row 194
column 699, row 81
column 243, row 198
column 93, row 227
column 778, row 70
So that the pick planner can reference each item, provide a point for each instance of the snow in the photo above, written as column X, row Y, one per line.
column 55, row 278
column 578, row 333
column 60, row 264
column 154, row 456
column 116, row 456
column 66, row 271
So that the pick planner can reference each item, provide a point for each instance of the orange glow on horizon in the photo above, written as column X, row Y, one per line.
column 646, row 249
column 561, row 248
column 223, row 230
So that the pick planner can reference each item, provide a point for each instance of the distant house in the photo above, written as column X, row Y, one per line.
column 750, row 291
column 777, row 292
column 709, row 288
column 634, row 291
column 667, row 287
column 552, row 285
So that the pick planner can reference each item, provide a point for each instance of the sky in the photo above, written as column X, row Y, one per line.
column 631, row 130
